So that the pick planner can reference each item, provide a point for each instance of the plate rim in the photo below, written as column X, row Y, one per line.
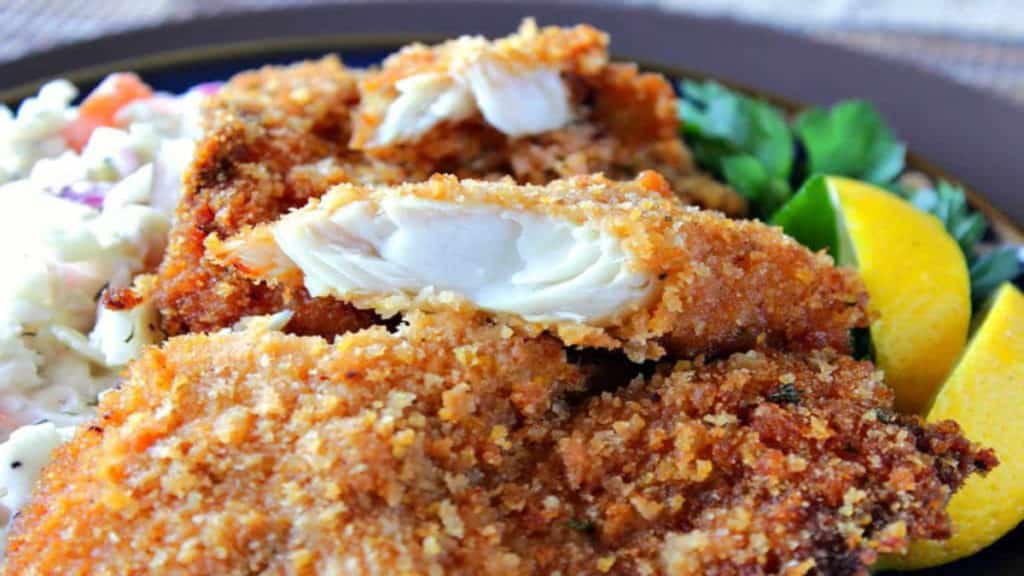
column 674, row 40
column 31, row 70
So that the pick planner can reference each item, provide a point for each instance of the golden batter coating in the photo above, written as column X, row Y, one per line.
column 449, row 447
column 622, row 121
column 274, row 138
column 278, row 136
column 759, row 464
column 709, row 285
column 258, row 452
column 577, row 52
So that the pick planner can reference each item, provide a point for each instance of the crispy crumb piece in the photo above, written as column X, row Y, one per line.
column 768, row 493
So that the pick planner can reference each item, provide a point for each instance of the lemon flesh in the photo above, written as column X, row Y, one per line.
column 985, row 395
column 919, row 288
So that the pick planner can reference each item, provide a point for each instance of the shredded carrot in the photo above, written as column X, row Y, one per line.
column 102, row 104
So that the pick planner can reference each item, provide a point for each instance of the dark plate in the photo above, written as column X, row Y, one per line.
column 974, row 136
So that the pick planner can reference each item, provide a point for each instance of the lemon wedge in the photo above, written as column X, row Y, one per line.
column 985, row 395
column 914, row 271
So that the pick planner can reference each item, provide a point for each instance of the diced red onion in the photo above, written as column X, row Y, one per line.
column 89, row 193
column 207, row 88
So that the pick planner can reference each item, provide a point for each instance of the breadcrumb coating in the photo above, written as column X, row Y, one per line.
column 577, row 52
column 278, row 136
column 625, row 121
column 719, row 285
column 450, row 447
column 759, row 464
column 274, row 138
column 258, row 452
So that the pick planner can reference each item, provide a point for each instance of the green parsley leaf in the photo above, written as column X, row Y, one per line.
column 851, row 139
column 748, row 144
column 948, row 203
column 785, row 394
column 810, row 217
column 585, row 526
column 990, row 270
column 748, row 176
column 723, row 123
column 709, row 153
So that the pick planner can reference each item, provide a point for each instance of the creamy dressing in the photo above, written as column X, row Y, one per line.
column 502, row 260
column 74, row 223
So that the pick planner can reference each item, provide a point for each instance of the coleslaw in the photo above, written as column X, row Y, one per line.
column 88, row 194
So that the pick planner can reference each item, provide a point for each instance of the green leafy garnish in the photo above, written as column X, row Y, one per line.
column 748, row 144
column 744, row 141
column 725, row 123
column 810, row 217
column 766, row 193
column 948, row 203
column 990, row 270
column 851, row 139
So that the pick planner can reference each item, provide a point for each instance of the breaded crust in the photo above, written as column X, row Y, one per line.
column 274, row 138
column 720, row 285
column 577, row 52
column 278, row 136
column 626, row 121
column 760, row 464
column 448, row 448
column 242, row 453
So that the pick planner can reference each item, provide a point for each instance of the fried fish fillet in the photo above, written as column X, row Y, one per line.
column 540, row 104
column 597, row 262
column 453, row 447
column 274, row 138
column 243, row 453
column 759, row 464
column 278, row 136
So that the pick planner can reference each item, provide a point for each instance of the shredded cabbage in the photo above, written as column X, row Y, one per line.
column 75, row 225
